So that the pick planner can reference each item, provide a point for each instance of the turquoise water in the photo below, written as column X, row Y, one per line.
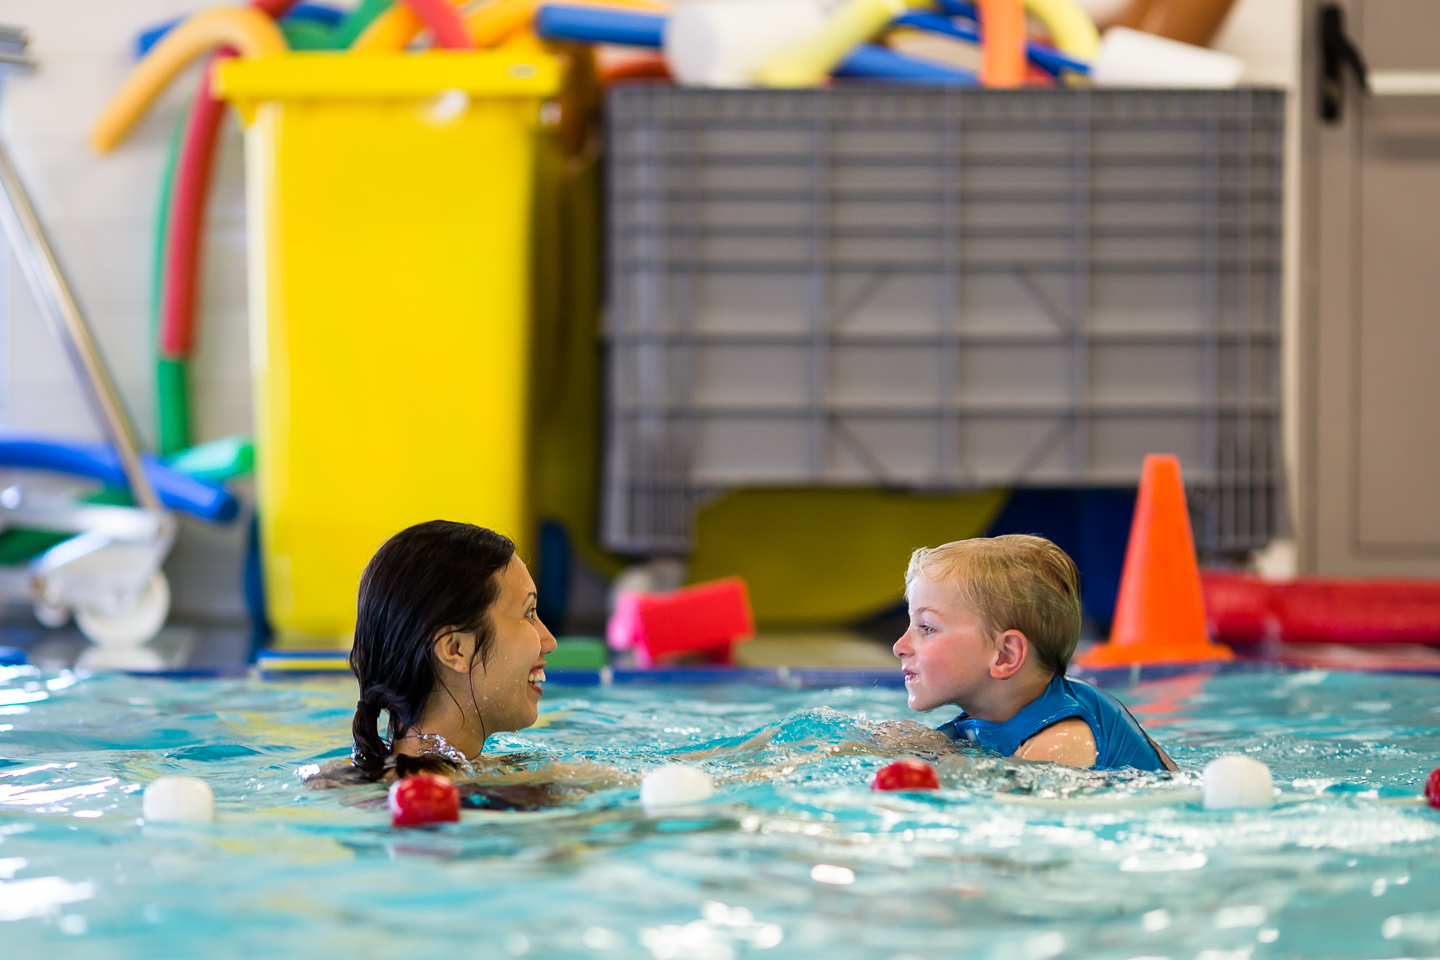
column 808, row 865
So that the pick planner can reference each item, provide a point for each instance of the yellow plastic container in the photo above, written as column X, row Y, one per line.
column 389, row 225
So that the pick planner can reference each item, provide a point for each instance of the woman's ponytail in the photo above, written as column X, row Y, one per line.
column 371, row 750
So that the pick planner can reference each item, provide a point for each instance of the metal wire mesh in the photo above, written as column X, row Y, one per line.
column 941, row 289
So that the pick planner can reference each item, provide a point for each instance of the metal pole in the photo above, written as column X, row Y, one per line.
column 37, row 259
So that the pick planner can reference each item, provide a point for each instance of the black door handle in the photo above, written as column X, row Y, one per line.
column 1336, row 50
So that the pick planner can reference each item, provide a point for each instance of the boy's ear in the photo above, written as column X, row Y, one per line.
column 453, row 650
column 1011, row 650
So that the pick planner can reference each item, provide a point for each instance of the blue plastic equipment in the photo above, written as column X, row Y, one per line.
column 555, row 21
column 99, row 462
column 872, row 61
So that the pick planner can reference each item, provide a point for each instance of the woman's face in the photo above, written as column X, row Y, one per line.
column 508, row 685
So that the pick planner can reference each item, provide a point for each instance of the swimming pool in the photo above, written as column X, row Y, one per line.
column 810, row 865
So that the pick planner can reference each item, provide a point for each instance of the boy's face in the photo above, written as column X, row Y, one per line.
column 946, row 654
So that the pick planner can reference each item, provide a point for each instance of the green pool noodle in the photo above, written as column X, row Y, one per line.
column 308, row 35
column 172, row 407
column 216, row 461
column 357, row 20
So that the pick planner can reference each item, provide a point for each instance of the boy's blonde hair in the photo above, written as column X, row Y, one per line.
column 1014, row 582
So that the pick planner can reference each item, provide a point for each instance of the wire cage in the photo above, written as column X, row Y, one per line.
column 941, row 289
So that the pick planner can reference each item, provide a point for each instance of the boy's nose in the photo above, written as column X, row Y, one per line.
column 902, row 648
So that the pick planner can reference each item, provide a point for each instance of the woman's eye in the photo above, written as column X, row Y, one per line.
column 530, row 614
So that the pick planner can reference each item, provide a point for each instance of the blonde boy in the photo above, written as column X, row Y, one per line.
column 993, row 624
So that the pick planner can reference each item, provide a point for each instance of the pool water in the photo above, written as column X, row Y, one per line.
column 811, row 864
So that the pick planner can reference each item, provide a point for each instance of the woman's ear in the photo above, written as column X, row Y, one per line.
column 455, row 650
column 1011, row 650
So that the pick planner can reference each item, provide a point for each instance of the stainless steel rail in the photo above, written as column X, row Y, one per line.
column 47, row 282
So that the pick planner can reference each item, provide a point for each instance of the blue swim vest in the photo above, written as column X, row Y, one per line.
column 1120, row 741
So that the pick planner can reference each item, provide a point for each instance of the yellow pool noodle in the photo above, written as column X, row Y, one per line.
column 1070, row 27
column 389, row 32
column 808, row 63
column 248, row 30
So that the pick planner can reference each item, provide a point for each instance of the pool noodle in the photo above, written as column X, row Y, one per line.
column 392, row 30
column 247, row 29
column 1002, row 54
column 873, row 61
column 584, row 24
column 1042, row 55
column 499, row 19
column 1070, row 27
column 186, row 231
column 357, row 21
column 446, row 27
column 809, row 62
column 99, row 462
column 178, row 250
column 172, row 428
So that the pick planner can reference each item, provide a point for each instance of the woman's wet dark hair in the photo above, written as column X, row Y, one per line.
column 427, row 579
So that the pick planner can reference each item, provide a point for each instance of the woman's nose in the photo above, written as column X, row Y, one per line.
column 548, row 642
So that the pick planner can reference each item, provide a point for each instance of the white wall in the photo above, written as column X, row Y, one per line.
column 100, row 212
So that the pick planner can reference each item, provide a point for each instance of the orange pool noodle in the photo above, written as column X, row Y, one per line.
column 1160, row 613
column 1002, row 56
column 249, row 31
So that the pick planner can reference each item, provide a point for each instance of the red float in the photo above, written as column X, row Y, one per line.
column 1432, row 788
column 905, row 775
column 423, row 798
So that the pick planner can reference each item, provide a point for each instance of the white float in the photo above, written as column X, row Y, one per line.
column 675, row 785
column 178, row 800
column 1132, row 58
column 722, row 43
column 1235, row 782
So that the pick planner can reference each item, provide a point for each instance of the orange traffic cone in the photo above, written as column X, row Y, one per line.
column 1160, row 613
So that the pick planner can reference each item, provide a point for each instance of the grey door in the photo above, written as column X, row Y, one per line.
column 1370, row 304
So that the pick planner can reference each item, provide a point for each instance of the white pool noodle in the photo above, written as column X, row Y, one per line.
column 721, row 43
column 1130, row 58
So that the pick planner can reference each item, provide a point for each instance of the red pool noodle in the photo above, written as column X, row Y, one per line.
column 185, row 234
column 187, row 207
column 444, row 22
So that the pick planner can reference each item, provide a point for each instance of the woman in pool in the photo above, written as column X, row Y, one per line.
column 448, row 646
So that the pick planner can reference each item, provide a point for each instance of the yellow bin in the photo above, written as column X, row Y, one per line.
column 389, row 228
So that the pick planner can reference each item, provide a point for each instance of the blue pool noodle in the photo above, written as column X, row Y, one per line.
column 100, row 462
column 555, row 21
column 874, row 62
